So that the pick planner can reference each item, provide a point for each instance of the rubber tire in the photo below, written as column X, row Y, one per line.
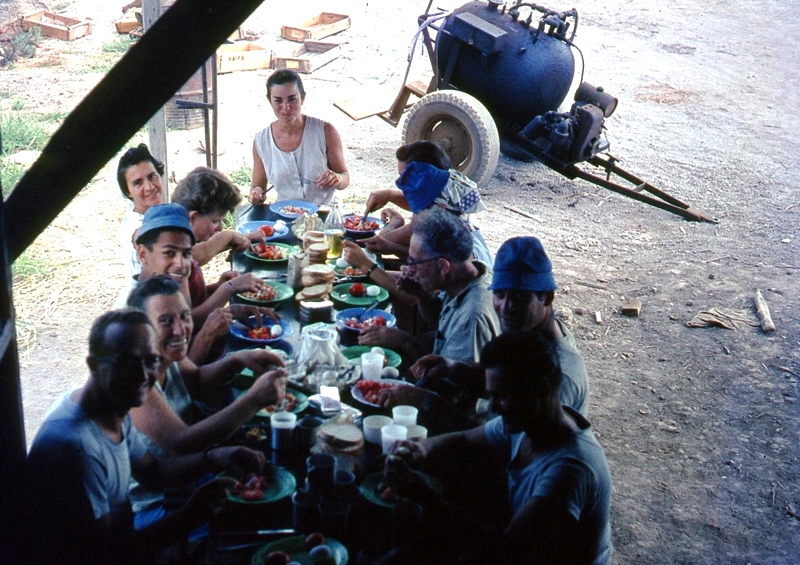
column 464, row 128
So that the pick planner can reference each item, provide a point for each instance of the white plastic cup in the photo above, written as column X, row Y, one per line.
column 391, row 434
column 371, row 366
column 372, row 427
column 417, row 433
column 405, row 415
column 282, row 424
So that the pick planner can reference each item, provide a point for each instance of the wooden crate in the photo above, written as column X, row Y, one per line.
column 54, row 25
column 321, row 25
column 129, row 21
column 308, row 57
column 242, row 56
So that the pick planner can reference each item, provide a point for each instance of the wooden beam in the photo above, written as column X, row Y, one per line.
column 157, row 125
column 142, row 82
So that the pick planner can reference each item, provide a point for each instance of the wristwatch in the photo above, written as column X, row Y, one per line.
column 372, row 268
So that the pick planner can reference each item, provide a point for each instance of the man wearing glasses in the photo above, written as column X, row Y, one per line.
column 82, row 460
column 452, row 296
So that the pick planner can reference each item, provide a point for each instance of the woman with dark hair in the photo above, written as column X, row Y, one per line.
column 300, row 156
column 139, row 178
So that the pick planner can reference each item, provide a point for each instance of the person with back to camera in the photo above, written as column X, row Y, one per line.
column 558, row 483
column 425, row 180
column 139, row 179
column 301, row 156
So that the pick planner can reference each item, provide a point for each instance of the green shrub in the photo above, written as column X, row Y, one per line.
column 242, row 176
column 21, row 131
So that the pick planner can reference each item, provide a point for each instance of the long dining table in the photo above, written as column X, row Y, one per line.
column 240, row 533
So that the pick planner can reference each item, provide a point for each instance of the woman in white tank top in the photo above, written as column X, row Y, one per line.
column 300, row 156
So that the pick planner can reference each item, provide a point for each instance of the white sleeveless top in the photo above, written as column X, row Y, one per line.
column 293, row 173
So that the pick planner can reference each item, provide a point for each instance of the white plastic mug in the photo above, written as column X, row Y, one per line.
column 405, row 415
column 372, row 427
column 371, row 365
column 391, row 434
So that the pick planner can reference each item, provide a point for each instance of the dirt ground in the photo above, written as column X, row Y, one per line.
column 700, row 425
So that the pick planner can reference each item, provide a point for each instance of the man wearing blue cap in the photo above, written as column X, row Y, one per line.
column 524, row 289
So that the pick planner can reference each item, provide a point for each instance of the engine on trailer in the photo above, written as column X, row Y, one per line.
column 569, row 138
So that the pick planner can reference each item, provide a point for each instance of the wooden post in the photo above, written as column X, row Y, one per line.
column 157, row 125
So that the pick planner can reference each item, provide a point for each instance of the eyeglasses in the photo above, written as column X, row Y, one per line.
column 413, row 264
column 128, row 361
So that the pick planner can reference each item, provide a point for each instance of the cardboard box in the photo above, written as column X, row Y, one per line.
column 308, row 57
column 321, row 25
column 242, row 56
column 54, row 25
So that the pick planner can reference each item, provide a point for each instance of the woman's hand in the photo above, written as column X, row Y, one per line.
column 257, row 360
column 217, row 324
column 243, row 312
column 269, row 388
column 329, row 179
column 257, row 196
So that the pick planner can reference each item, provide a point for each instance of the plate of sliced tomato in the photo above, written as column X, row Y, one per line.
column 295, row 400
column 271, row 252
column 297, row 549
column 367, row 391
column 357, row 226
column 272, row 292
column 273, row 483
column 268, row 332
column 268, row 229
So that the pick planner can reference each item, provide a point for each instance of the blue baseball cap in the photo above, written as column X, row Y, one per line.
column 166, row 216
column 522, row 264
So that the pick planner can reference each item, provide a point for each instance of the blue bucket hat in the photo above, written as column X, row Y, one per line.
column 522, row 264
column 421, row 183
column 171, row 216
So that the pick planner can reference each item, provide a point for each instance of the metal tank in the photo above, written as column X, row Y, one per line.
column 519, row 66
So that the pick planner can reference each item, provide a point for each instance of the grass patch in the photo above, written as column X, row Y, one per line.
column 229, row 221
column 10, row 173
column 29, row 265
column 242, row 176
column 22, row 131
column 109, row 55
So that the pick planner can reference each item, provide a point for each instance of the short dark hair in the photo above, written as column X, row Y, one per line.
column 284, row 76
column 424, row 152
column 207, row 191
column 442, row 234
column 131, row 157
column 160, row 285
column 97, row 335
column 530, row 358
column 149, row 239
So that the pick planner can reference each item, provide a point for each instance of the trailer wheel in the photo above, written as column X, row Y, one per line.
column 462, row 126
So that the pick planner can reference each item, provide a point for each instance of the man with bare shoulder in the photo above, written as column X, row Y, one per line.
column 84, row 455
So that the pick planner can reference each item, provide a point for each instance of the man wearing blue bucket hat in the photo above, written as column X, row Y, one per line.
column 523, row 290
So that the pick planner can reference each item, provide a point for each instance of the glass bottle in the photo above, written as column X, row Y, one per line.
column 334, row 231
